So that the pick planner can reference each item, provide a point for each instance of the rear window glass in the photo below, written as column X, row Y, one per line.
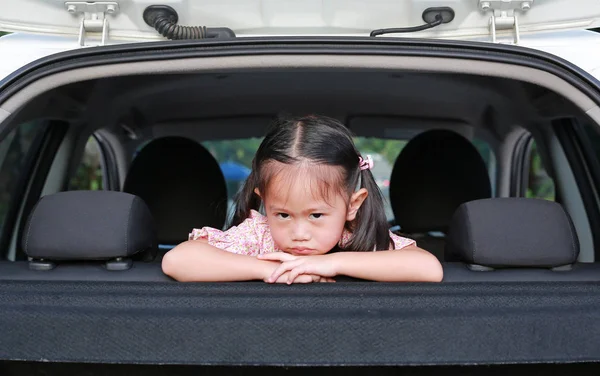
column 16, row 150
column 90, row 173
column 539, row 183
column 235, row 159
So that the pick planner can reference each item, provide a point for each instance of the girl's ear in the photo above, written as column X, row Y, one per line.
column 257, row 192
column 356, row 200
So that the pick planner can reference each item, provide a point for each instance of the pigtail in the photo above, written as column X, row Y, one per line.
column 370, row 228
column 246, row 200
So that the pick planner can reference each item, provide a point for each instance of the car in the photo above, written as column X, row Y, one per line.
column 110, row 154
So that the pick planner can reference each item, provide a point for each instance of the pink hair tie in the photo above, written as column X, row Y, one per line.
column 365, row 164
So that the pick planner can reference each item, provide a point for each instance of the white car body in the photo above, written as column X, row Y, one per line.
column 45, row 27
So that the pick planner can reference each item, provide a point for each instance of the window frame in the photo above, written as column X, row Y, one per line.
column 520, row 165
column 30, row 182
column 521, row 168
column 586, row 168
column 108, row 163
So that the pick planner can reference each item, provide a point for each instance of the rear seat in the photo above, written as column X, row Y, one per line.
column 88, row 236
column 436, row 172
column 514, row 239
column 182, row 184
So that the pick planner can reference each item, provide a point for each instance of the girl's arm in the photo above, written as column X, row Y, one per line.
column 198, row 261
column 409, row 264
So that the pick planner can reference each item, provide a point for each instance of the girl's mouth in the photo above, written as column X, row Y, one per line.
column 301, row 251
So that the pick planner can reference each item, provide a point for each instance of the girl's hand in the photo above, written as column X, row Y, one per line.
column 298, row 266
column 304, row 278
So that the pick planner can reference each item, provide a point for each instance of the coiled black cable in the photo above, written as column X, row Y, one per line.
column 171, row 30
column 164, row 19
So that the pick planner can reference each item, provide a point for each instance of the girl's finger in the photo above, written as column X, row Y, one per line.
column 313, row 278
column 284, row 267
column 295, row 272
column 301, row 279
column 281, row 279
column 305, row 279
column 326, row 280
column 269, row 256
column 276, row 256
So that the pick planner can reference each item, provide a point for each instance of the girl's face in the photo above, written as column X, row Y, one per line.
column 302, row 221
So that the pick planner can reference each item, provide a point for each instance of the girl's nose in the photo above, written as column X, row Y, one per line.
column 300, row 233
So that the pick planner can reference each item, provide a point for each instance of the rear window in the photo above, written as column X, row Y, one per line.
column 16, row 152
column 539, row 183
column 90, row 172
column 235, row 159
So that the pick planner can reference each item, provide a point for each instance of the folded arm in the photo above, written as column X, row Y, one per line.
column 409, row 264
column 198, row 261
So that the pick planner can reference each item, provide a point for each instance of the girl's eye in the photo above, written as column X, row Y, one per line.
column 316, row 215
column 283, row 215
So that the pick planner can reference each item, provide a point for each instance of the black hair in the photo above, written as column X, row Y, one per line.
column 318, row 140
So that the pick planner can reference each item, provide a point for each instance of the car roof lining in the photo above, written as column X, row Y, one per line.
column 339, row 94
column 416, row 73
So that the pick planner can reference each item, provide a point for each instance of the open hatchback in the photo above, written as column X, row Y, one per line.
column 115, row 142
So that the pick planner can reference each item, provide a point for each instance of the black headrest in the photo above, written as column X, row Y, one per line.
column 512, row 232
column 182, row 184
column 89, row 225
column 436, row 172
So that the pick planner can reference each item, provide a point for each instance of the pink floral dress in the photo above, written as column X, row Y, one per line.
column 253, row 237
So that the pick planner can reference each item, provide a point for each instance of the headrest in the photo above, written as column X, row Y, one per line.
column 89, row 225
column 512, row 232
column 436, row 172
column 182, row 184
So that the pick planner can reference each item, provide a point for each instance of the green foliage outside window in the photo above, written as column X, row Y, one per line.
column 89, row 175
column 540, row 184
column 240, row 151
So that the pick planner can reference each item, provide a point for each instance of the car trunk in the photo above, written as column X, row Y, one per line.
column 216, row 89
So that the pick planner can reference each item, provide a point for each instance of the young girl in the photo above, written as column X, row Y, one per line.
column 324, row 217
